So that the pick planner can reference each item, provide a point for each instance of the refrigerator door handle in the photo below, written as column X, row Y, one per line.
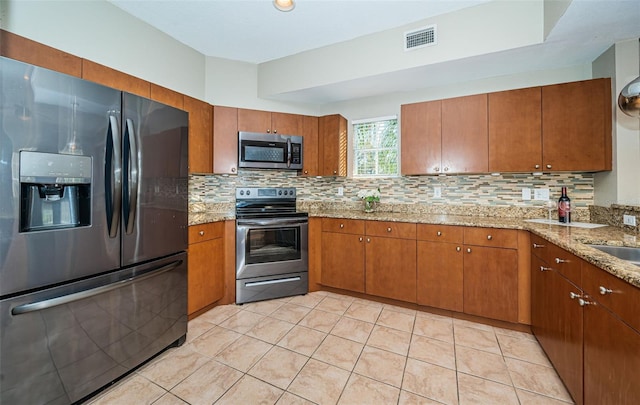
column 66, row 299
column 133, row 174
column 113, row 176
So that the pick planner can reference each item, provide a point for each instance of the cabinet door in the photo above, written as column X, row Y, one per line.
column 286, row 124
column 225, row 140
column 25, row 50
column 332, row 130
column 310, row 146
column 611, row 359
column 440, row 275
column 200, row 135
column 391, row 268
column 556, row 321
column 206, row 274
column 465, row 139
column 167, row 96
column 515, row 130
column 254, row 121
column 112, row 78
column 576, row 126
column 343, row 261
column 421, row 137
column 491, row 282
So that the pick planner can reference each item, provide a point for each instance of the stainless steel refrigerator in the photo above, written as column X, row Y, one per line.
column 93, row 233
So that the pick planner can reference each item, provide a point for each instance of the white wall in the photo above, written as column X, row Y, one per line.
column 101, row 32
column 621, row 62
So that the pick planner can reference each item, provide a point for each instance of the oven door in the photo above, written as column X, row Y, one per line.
column 271, row 246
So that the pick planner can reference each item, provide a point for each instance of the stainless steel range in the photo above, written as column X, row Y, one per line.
column 271, row 245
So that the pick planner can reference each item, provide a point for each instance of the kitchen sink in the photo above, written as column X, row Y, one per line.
column 625, row 253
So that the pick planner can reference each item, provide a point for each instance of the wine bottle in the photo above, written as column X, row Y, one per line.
column 564, row 207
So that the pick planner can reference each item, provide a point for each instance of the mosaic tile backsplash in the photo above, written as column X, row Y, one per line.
column 457, row 192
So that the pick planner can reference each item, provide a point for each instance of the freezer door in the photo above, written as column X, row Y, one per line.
column 155, row 180
column 61, row 344
column 56, row 122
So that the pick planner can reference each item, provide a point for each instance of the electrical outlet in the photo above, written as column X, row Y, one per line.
column 629, row 220
column 340, row 191
column 541, row 194
column 437, row 192
column 526, row 194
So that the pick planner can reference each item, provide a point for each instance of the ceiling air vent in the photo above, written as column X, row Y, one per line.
column 420, row 38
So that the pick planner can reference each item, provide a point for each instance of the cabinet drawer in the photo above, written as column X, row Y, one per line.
column 204, row 232
column 617, row 295
column 343, row 225
column 391, row 229
column 539, row 247
column 440, row 233
column 505, row 238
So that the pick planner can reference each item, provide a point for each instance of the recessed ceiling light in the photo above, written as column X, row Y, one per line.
column 284, row 5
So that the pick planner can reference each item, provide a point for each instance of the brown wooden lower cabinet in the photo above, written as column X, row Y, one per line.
column 491, row 282
column 391, row 268
column 206, row 257
column 585, row 332
column 343, row 261
column 440, row 275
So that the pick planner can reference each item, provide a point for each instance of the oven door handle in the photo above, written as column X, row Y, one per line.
column 272, row 222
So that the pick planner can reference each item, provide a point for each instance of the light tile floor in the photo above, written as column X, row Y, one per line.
column 325, row 348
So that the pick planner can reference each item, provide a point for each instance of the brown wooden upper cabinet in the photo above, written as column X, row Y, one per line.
column 576, row 126
column 167, row 96
column 310, row 146
column 515, row 130
column 200, row 135
column 332, row 145
column 421, row 137
column 225, row 140
column 114, row 78
column 269, row 122
column 25, row 50
column 465, row 139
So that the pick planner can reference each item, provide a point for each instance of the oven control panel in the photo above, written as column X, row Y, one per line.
column 255, row 193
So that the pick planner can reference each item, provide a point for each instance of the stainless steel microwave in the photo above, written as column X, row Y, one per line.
column 269, row 151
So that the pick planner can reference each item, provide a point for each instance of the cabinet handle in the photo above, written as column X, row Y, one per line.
column 537, row 166
column 489, row 237
column 233, row 170
column 446, row 169
column 388, row 229
column 306, row 172
column 341, row 226
column 559, row 260
column 201, row 233
column 275, row 131
column 605, row 290
column 268, row 131
column 583, row 302
column 468, row 250
column 438, row 233
column 542, row 268
column 573, row 295
column 360, row 239
column 458, row 248
column 548, row 166
column 437, row 169
column 368, row 240
column 335, row 172
column 536, row 246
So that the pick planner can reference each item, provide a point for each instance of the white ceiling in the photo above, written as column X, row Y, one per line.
column 254, row 31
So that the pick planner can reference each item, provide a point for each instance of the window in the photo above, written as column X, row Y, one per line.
column 375, row 147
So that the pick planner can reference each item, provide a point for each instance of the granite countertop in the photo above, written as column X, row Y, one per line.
column 572, row 239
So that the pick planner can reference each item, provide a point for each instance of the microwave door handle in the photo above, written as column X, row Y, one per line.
column 289, row 152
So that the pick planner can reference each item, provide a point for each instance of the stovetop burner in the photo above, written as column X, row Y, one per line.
column 254, row 202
